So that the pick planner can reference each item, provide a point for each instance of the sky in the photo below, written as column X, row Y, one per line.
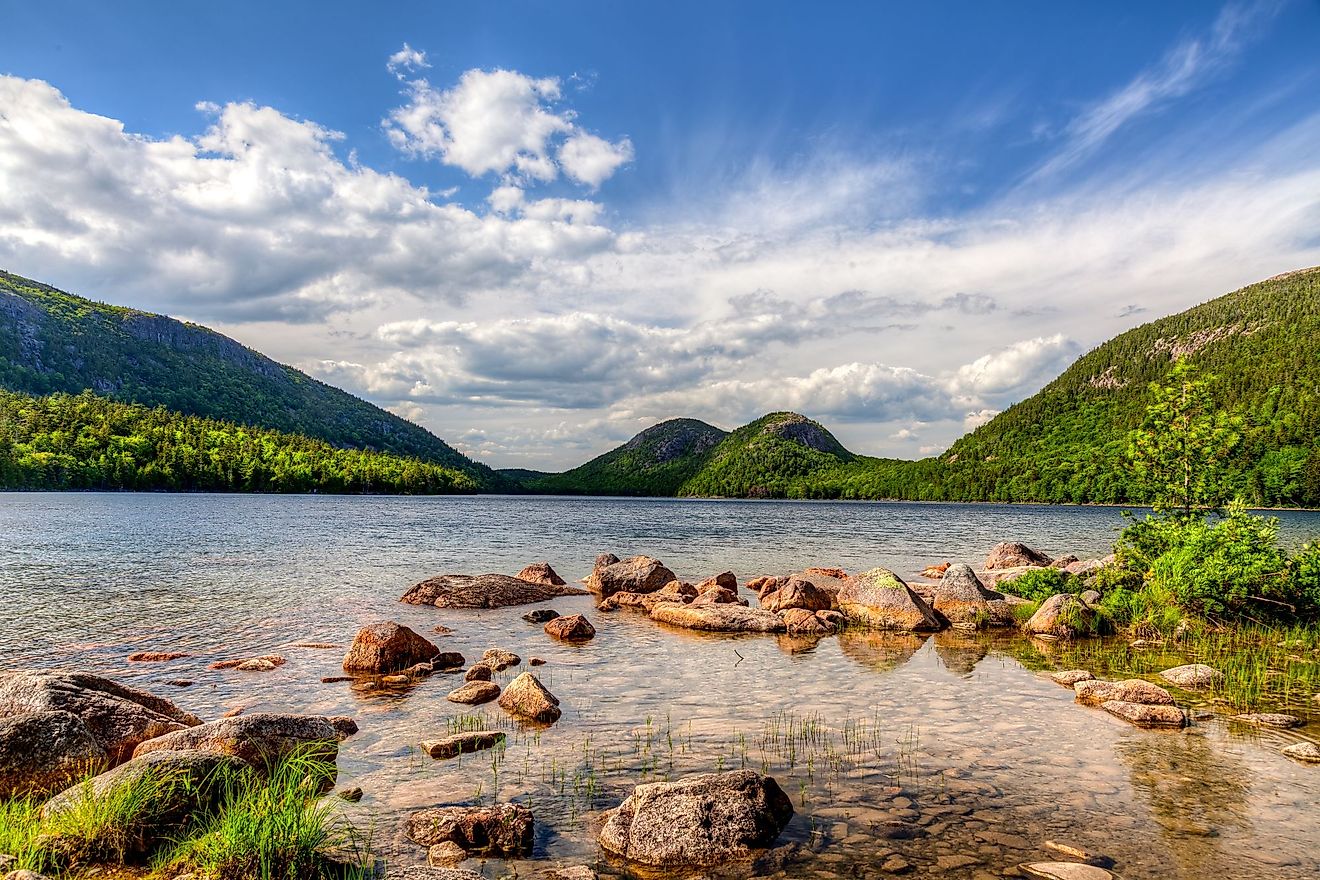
column 537, row 228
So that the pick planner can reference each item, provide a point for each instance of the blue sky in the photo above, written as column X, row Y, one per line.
column 538, row 227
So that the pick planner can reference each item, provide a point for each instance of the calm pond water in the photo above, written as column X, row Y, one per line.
column 955, row 734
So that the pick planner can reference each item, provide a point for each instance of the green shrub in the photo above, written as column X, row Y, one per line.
column 1303, row 582
column 1222, row 568
column 1039, row 584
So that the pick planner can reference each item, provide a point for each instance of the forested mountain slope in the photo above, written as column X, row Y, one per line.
column 52, row 341
column 655, row 462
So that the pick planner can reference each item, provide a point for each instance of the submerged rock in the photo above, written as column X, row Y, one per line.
column 390, row 647
column 541, row 573
column 528, row 699
column 474, row 693
column 460, row 743
column 1062, row 616
column 718, row 618
column 1064, row 871
column 264, row 663
column 1014, row 554
column 541, row 615
column 156, row 656
column 1132, row 690
column 119, row 717
column 701, row 821
column 44, row 752
column 636, row 574
column 1146, row 714
column 574, row 628
column 482, row 591
column 1307, row 752
column 260, row 739
column 1194, row 676
column 881, row 600
column 1277, row 720
column 504, row 829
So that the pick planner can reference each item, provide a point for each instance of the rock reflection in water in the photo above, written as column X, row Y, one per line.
column 960, row 652
column 879, row 650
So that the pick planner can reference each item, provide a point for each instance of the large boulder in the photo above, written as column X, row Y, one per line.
column 528, row 699
column 1013, row 554
column 504, row 829
column 541, row 573
column 881, row 600
column 390, row 647
column 718, row 618
column 963, row 599
column 261, row 739
column 118, row 716
column 636, row 574
column 698, row 822
column 43, row 752
column 482, row 591
column 1062, row 616
column 799, row 593
column 573, row 628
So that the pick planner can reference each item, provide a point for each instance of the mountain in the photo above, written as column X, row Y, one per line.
column 84, row 441
column 1064, row 444
column 52, row 341
column 658, row 461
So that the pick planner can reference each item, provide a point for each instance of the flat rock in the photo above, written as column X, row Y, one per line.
column 1014, row 554
column 643, row 601
column 482, row 591
column 273, row 659
column 461, row 743
column 573, row 628
column 1094, row 692
column 156, row 656
column 1146, row 715
column 527, row 698
column 118, row 716
column 636, row 574
column 718, row 618
column 700, row 821
column 260, row 739
column 1064, row 871
column 1194, row 676
column 504, row 829
column 1268, row 719
column 1069, row 677
column 388, row 647
column 44, row 752
column 880, row 599
column 1307, row 752
column 423, row 872
column 541, row 573
column 474, row 693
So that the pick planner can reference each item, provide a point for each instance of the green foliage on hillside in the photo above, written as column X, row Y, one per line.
column 52, row 341
column 84, row 441
column 658, row 461
column 1069, row 443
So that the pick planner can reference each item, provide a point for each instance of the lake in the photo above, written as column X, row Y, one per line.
column 961, row 736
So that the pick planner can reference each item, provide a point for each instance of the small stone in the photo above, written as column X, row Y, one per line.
column 352, row 795
column 1144, row 715
column 536, row 661
column 1268, row 719
column 954, row 862
column 474, row 693
column 527, row 698
column 156, row 656
column 479, row 672
column 459, row 743
column 445, row 853
column 441, row 630
column 577, row 872
column 319, row 646
column 1132, row 690
column 541, row 615
column 273, row 659
column 1070, row 677
column 896, row 865
column 1307, row 752
column 335, row 679
column 180, row 682
column 500, row 660
column 395, row 679
column 257, row 664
